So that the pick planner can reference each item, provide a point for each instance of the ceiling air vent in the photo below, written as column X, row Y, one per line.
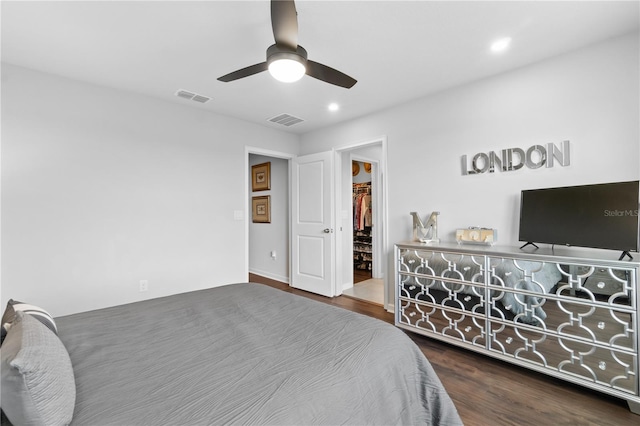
column 192, row 96
column 286, row 120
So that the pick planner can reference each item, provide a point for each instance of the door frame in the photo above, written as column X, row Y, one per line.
column 381, row 226
column 248, row 150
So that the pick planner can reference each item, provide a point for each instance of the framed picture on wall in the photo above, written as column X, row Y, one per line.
column 261, row 177
column 261, row 207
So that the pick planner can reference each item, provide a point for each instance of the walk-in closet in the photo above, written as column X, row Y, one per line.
column 362, row 222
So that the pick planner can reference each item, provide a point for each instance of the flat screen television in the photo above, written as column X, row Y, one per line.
column 601, row 216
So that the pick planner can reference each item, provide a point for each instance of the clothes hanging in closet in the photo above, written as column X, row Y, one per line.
column 362, row 214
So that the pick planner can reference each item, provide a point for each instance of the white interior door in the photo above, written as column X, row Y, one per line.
column 312, row 223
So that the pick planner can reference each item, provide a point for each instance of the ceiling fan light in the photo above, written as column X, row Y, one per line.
column 286, row 70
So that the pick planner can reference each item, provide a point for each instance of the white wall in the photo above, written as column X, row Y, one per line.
column 103, row 188
column 589, row 97
column 267, row 237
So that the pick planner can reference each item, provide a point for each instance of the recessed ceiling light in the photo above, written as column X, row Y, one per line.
column 333, row 106
column 500, row 45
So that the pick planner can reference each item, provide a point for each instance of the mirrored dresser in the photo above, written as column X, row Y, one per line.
column 568, row 313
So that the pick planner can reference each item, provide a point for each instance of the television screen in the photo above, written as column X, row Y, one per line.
column 598, row 216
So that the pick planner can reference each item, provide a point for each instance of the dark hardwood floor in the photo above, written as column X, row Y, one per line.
column 360, row 275
column 491, row 392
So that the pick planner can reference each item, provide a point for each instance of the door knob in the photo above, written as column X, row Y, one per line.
column 327, row 231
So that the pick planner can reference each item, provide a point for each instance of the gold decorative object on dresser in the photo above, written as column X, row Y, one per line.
column 568, row 313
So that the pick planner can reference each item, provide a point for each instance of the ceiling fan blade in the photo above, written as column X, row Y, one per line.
column 244, row 72
column 284, row 22
column 329, row 75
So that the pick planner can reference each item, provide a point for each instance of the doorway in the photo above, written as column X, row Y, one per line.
column 366, row 285
column 363, row 212
column 268, row 234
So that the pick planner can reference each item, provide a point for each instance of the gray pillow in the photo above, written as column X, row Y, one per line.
column 10, row 313
column 38, row 386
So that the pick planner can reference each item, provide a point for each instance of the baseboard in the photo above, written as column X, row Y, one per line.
column 269, row 275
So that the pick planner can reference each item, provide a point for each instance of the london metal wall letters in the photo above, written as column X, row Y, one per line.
column 515, row 158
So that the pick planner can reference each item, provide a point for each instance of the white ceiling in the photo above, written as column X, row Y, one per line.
column 398, row 51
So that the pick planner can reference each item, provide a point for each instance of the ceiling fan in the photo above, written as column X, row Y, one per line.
column 286, row 60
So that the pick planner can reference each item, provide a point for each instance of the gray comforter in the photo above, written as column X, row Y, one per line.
column 247, row 354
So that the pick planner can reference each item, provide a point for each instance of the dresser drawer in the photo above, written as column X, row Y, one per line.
column 602, row 281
